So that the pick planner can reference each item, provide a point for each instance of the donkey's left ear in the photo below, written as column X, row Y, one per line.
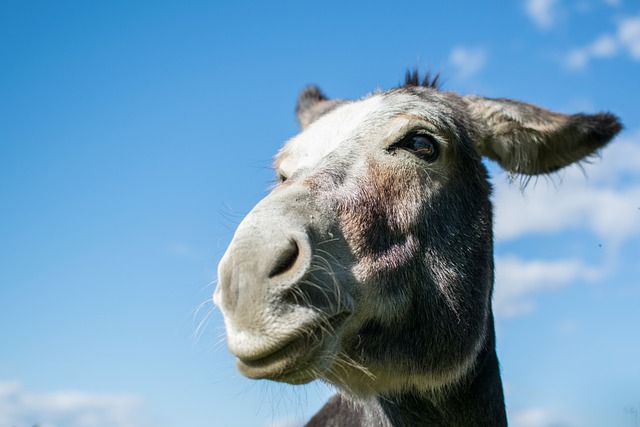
column 312, row 104
column 530, row 140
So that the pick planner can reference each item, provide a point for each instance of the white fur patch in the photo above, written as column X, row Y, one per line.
column 323, row 136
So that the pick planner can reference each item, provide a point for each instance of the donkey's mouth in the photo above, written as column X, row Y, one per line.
column 277, row 363
column 299, row 360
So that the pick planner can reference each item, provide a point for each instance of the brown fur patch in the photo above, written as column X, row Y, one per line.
column 379, row 219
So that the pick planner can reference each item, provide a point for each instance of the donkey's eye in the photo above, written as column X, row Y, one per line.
column 423, row 146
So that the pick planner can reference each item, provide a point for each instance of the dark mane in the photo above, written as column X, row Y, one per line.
column 412, row 78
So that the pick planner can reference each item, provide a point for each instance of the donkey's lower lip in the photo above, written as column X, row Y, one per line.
column 275, row 363
column 282, row 363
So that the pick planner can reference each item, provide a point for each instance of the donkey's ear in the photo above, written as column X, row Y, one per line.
column 530, row 140
column 312, row 104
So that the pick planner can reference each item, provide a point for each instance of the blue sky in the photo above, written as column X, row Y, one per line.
column 135, row 135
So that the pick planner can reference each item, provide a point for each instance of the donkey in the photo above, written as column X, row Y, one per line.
column 370, row 264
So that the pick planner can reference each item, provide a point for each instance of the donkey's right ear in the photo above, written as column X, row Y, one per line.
column 312, row 104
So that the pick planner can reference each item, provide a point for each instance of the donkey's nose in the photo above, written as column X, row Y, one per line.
column 259, row 265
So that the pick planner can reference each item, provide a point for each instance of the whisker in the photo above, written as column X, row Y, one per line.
column 199, row 330
column 324, row 242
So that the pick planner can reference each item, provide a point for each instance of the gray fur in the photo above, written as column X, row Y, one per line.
column 371, row 268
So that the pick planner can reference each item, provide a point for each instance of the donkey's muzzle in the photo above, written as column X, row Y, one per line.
column 277, row 289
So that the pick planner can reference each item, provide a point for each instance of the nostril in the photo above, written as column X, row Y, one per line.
column 286, row 260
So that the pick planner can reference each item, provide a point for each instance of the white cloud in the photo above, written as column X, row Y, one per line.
column 605, row 46
column 517, row 280
column 612, row 215
column 625, row 40
column 604, row 202
column 577, row 58
column 533, row 417
column 542, row 12
column 629, row 36
column 468, row 61
column 186, row 251
column 19, row 407
column 568, row 327
column 620, row 162
column 537, row 417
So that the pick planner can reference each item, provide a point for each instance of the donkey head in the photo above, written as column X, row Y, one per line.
column 370, row 264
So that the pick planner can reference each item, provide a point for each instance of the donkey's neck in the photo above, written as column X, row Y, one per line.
column 476, row 401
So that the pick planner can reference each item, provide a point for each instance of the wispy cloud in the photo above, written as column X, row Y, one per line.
column 538, row 417
column 19, row 407
column 533, row 417
column 629, row 35
column 603, row 200
column 518, row 280
column 186, row 251
column 625, row 40
column 468, row 61
column 542, row 12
